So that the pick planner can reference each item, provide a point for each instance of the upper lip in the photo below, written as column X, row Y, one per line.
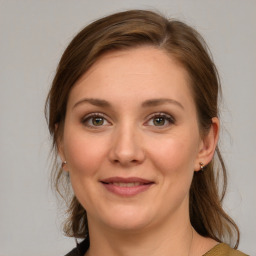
column 126, row 180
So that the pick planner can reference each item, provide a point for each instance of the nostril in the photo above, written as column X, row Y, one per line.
column 126, row 156
column 125, row 162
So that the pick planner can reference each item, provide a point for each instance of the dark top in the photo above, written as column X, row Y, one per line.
column 221, row 249
column 80, row 249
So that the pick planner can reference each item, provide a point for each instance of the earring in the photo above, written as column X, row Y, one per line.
column 63, row 163
column 201, row 166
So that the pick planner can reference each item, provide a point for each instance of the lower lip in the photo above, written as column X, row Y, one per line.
column 126, row 191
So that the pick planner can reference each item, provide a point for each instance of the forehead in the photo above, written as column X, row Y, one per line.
column 143, row 72
column 139, row 60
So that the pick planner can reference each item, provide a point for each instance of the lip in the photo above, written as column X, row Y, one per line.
column 126, row 187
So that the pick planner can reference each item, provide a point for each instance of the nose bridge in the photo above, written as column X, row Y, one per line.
column 127, row 145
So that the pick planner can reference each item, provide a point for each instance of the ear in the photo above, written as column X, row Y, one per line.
column 207, row 145
column 60, row 149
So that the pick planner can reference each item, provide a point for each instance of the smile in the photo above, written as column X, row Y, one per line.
column 126, row 187
column 130, row 184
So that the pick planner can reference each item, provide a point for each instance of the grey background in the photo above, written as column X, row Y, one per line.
column 33, row 35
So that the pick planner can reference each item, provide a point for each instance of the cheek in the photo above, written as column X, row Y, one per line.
column 174, row 159
column 84, row 154
column 174, row 154
column 85, row 157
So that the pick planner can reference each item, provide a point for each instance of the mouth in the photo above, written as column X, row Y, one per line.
column 126, row 187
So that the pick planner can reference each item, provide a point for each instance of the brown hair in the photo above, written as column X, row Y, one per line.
column 132, row 29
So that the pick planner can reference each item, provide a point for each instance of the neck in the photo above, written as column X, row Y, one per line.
column 169, row 238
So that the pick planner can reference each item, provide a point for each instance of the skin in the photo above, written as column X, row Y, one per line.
column 130, row 140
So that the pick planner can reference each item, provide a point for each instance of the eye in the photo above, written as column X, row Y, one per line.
column 160, row 120
column 94, row 120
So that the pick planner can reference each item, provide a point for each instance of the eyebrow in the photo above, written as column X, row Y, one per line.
column 161, row 101
column 95, row 102
column 147, row 103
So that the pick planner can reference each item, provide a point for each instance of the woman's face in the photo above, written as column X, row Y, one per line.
column 131, row 140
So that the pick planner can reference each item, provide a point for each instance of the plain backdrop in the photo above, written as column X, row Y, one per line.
column 33, row 35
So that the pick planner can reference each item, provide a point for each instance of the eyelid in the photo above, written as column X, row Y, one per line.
column 168, row 117
column 160, row 114
column 94, row 114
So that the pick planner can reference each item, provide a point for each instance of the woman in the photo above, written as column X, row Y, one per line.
column 133, row 114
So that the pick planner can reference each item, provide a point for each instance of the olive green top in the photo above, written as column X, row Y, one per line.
column 223, row 250
column 219, row 250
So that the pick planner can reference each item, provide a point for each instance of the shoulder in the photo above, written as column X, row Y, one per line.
column 223, row 249
column 74, row 252
column 80, row 249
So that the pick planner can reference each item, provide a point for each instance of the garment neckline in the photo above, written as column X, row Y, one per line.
column 84, row 246
column 214, row 248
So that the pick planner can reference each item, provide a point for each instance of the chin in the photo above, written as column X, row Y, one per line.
column 129, row 225
column 128, row 219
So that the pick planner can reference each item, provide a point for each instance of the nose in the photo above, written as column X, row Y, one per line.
column 126, row 147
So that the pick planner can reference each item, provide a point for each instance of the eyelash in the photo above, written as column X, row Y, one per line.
column 87, row 118
column 170, row 119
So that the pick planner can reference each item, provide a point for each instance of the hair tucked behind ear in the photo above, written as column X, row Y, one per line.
column 206, row 213
column 127, row 30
